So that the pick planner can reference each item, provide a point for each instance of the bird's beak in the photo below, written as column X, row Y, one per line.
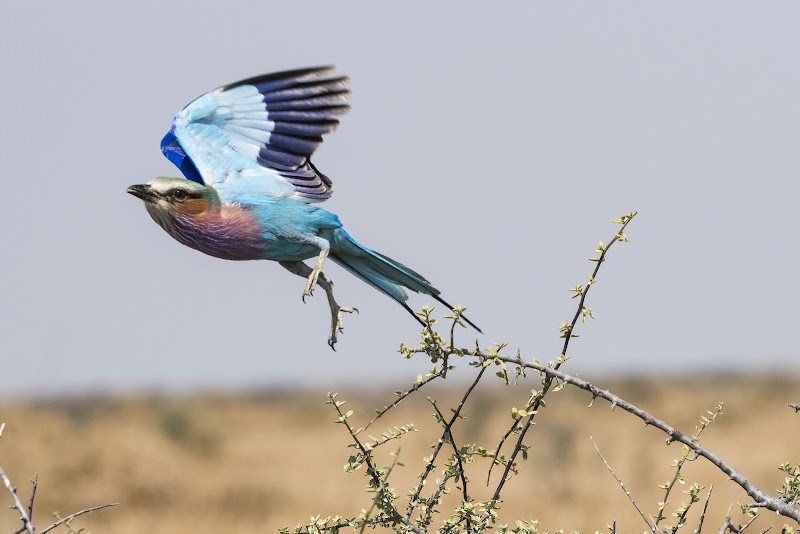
column 143, row 191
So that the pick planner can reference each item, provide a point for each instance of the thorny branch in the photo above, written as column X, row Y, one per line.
column 447, row 436
column 372, row 469
column 76, row 514
column 567, row 333
column 23, row 512
column 704, row 423
column 552, row 373
column 375, row 502
column 650, row 525
column 34, row 485
column 728, row 525
column 705, row 507
column 417, row 385
column 762, row 499
column 26, row 515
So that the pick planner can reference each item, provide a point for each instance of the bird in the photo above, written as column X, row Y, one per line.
column 249, row 190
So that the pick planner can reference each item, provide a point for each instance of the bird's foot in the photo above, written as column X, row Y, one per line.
column 311, row 283
column 337, row 322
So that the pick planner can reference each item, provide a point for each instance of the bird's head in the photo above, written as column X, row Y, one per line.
column 167, row 198
column 193, row 214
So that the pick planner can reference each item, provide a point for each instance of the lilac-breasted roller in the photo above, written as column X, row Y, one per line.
column 250, row 189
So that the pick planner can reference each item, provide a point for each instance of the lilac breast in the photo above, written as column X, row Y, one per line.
column 226, row 232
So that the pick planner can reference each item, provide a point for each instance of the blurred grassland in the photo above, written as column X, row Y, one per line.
column 254, row 462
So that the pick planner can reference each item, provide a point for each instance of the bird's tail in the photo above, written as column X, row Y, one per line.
column 383, row 273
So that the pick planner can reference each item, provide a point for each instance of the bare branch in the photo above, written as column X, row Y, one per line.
column 650, row 525
column 35, row 483
column 703, row 513
column 23, row 513
column 743, row 527
column 76, row 514
column 728, row 525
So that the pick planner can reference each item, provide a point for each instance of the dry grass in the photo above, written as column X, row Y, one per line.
column 251, row 463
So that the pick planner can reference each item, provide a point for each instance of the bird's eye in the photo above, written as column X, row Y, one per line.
column 179, row 194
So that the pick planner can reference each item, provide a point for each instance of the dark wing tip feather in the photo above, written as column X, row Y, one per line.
column 288, row 76
column 309, row 115
column 302, row 105
column 307, row 88
column 320, row 102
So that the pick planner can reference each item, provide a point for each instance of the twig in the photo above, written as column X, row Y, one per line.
column 671, row 485
column 743, row 527
column 347, row 523
column 448, row 436
column 669, row 489
column 372, row 471
column 705, row 507
column 533, row 405
column 417, row 385
column 27, row 515
column 35, row 483
column 375, row 501
column 704, row 423
column 76, row 514
column 23, row 513
column 728, row 525
column 429, row 468
column 432, row 503
column 448, row 431
column 650, row 525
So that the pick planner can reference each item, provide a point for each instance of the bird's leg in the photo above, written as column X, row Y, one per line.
column 315, row 272
column 337, row 324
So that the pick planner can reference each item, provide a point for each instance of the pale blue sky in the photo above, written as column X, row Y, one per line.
column 487, row 148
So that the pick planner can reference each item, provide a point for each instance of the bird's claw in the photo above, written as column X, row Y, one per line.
column 337, row 323
column 310, row 285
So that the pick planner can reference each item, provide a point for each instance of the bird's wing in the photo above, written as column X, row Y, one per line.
column 256, row 136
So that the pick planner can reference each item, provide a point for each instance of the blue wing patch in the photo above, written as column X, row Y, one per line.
column 174, row 152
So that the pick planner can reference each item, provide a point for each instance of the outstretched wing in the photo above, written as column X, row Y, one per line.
column 256, row 136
